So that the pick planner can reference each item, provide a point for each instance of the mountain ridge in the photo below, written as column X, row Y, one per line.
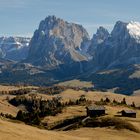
column 60, row 50
column 57, row 42
column 14, row 48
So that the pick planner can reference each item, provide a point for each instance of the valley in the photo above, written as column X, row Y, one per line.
column 69, row 70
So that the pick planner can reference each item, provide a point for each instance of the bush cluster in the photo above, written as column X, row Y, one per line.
column 110, row 121
column 9, row 116
column 16, row 92
column 114, row 102
column 51, row 90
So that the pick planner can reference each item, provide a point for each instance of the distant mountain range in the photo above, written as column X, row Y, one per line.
column 60, row 51
column 14, row 48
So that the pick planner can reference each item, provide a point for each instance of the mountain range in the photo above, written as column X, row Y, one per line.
column 61, row 51
column 14, row 48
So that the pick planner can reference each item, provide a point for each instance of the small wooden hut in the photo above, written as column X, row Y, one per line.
column 94, row 111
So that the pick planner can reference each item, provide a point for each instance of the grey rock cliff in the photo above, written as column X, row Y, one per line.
column 57, row 42
column 121, row 48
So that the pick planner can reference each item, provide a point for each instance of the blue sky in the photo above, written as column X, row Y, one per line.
column 22, row 17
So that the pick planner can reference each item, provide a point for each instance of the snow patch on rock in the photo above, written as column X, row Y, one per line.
column 134, row 30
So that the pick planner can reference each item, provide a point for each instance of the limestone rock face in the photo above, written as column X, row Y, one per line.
column 57, row 42
column 101, row 35
column 121, row 48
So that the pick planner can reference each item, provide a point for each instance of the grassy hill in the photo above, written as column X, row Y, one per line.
column 13, row 130
column 16, row 131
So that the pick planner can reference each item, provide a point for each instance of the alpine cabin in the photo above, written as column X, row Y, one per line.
column 94, row 111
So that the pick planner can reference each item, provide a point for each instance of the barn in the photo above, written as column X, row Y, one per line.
column 94, row 111
column 128, row 113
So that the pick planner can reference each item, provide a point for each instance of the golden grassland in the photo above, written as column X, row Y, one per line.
column 5, row 107
column 10, row 88
column 67, row 113
column 103, row 134
column 97, row 95
column 76, row 83
column 20, row 131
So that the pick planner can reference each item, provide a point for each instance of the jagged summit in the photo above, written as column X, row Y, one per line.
column 102, row 30
column 101, row 35
column 57, row 42
column 119, row 30
column 127, row 29
column 49, row 26
column 49, row 23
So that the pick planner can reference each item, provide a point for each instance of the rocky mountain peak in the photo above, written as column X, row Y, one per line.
column 56, row 27
column 102, row 31
column 57, row 42
column 49, row 23
column 119, row 30
column 100, row 35
column 130, row 30
column 122, row 46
